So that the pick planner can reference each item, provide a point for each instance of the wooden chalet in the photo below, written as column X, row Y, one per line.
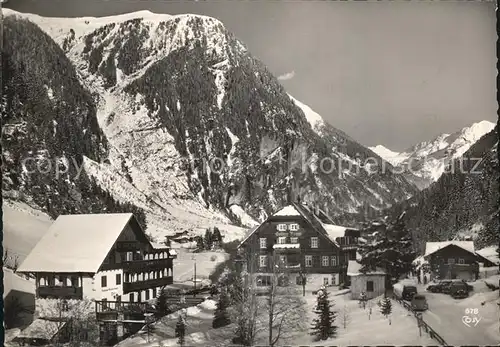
column 301, row 240
column 452, row 260
column 101, row 258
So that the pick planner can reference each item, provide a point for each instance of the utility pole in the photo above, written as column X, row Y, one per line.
column 194, row 277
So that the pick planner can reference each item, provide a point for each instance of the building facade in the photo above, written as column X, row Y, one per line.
column 297, row 242
column 94, row 264
column 372, row 283
column 452, row 260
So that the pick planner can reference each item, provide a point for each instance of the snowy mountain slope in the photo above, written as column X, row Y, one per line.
column 194, row 124
column 428, row 160
column 461, row 203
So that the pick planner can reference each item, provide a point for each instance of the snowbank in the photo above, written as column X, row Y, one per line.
column 209, row 305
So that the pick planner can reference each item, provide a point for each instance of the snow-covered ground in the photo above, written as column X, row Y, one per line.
column 445, row 315
column 206, row 262
column 363, row 330
column 199, row 330
column 23, row 227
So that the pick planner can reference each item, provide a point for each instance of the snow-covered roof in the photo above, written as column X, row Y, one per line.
column 354, row 269
column 76, row 243
column 490, row 253
column 289, row 210
column 432, row 247
column 157, row 245
column 172, row 252
column 41, row 329
column 334, row 231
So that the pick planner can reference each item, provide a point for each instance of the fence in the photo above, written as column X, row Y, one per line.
column 432, row 333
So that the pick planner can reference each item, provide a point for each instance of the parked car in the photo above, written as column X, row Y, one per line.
column 419, row 303
column 439, row 287
column 404, row 291
column 459, row 289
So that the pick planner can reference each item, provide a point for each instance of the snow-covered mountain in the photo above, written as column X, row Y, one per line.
column 460, row 203
column 171, row 117
column 428, row 160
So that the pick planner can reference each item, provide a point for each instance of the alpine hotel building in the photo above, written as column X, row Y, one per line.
column 299, row 239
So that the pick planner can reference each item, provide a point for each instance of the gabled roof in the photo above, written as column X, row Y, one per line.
column 76, row 243
column 354, row 269
column 330, row 231
column 490, row 253
column 433, row 247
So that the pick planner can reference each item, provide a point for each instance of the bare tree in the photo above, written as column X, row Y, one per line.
column 345, row 316
column 284, row 307
column 245, row 304
column 71, row 321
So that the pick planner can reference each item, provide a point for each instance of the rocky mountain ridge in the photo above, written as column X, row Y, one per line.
column 429, row 159
column 197, row 132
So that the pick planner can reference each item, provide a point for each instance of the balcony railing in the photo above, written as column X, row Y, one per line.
column 147, row 265
column 45, row 292
column 146, row 284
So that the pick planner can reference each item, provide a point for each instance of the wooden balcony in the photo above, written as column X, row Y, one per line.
column 147, row 265
column 147, row 284
column 127, row 246
column 57, row 292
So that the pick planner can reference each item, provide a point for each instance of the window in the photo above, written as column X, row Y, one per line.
column 130, row 256
column 65, row 306
column 104, row 281
column 333, row 260
column 74, row 281
column 325, row 261
column 131, row 297
column 283, row 260
column 118, row 279
column 294, row 227
column 369, row 286
column 104, row 303
column 263, row 260
column 263, row 281
column 461, row 261
column 451, row 260
column 154, row 292
column 281, row 240
column 309, row 260
column 314, row 242
column 147, row 294
column 263, row 242
column 294, row 240
column 325, row 281
column 334, row 281
column 281, row 227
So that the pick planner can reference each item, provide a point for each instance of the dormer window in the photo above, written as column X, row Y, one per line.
column 294, row 227
column 281, row 227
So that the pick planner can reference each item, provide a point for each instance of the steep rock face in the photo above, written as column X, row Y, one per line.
column 428, row 160
column 464, row 202
column 195, row 123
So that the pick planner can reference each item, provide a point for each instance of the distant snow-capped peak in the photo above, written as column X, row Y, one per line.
column 428, row 158
column 392, row 157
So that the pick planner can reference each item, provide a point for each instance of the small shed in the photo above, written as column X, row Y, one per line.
column 372, row 283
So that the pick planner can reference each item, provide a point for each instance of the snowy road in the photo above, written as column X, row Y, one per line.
column 445, row 316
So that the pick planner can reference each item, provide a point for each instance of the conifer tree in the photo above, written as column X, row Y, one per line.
column 323, row 326
column 391, row 249
column 180, row 330
column 162, row 308
column 386, row 307
column 221, row 316
column 208, row 239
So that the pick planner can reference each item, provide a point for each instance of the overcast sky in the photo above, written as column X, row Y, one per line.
column 391, row 73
